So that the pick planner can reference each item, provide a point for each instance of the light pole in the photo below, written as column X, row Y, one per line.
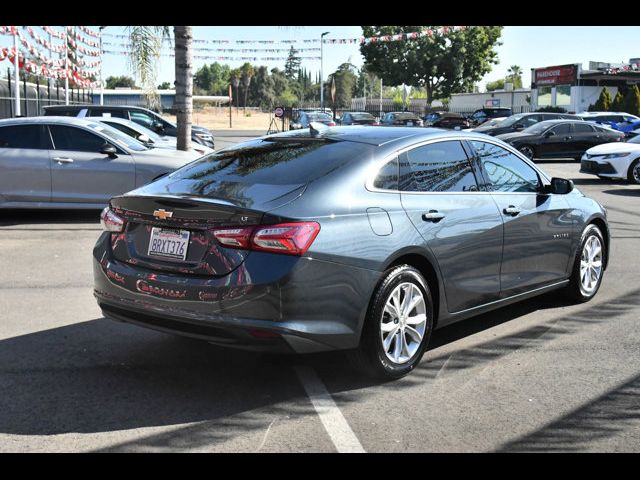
column 101, row 86
column 17, row 73
column 321, row 78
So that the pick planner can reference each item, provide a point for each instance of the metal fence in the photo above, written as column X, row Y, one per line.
column 34, row 96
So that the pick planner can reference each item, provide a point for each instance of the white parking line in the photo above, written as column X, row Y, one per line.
column 332, row 419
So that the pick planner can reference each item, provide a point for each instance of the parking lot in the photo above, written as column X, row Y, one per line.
column 542, row 375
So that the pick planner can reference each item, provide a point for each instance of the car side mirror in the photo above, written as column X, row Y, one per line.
column 109, row 149
column 560, row 186
column 158, row 127
column 144, row 138
column 549, row 134
column 518, row 126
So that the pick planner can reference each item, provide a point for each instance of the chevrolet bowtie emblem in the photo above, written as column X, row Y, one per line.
column 162, row 214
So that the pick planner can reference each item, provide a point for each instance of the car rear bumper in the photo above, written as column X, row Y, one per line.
column 285, row 304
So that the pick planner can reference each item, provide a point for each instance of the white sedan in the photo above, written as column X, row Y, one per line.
column 614, row 160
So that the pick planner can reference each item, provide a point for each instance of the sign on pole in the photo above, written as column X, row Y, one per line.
column 278, row 112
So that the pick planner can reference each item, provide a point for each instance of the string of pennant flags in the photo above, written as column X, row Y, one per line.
column 219, row 57
column 209, row 49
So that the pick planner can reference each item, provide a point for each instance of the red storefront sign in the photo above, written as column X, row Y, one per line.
column 562, row 75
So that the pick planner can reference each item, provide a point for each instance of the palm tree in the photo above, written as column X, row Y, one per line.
column 247, row 72
column 515, row 75
column 145, row 43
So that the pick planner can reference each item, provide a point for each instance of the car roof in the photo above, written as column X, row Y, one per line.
column 376, row 136
column 49, row 119
column 95, row 107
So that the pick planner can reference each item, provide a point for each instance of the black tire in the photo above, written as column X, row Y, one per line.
column 528, row 151
column 633, row 174
column 575, row 289
column 370, row 357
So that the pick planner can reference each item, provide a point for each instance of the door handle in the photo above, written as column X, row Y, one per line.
column 511, row 210
column 62, row 160
column 432, row 216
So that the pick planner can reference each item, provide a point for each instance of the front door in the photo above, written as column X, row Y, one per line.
column 80, row 173
column 25, row 171
column 460, row 224
column 537, row 226
column 557, row 142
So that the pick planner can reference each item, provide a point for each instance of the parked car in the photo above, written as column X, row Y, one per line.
column 406, row 119
column 560, row 138
column 614, row 160
column 358, row 118
column 448, row 120
column 492, row 122
column 148, row 137
column 520, row 121
column 432, row 117
column 352, row 238
column 304, row 119
column 68, row 162
column 140, row 115
column 611, row 119
column 483, row 114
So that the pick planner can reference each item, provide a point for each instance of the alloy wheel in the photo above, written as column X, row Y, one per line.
column 403, row 323
column 527, row 151
column 591, row 264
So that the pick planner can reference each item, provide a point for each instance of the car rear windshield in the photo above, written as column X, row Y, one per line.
column 362, row 116
column 406, row 115
column 319, row 117
column 267, row 162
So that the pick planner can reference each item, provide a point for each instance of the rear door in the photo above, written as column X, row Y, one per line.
column 558, row 143
column 80, row 173
column 25, row 170
column 584, row 137
column 460, row 224
column 537, row 226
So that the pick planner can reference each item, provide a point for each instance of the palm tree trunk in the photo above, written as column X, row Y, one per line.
column 184, row 85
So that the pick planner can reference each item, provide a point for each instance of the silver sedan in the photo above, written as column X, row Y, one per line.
column 66, row 162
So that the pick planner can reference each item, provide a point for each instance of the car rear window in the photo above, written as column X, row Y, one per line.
column 267, row 162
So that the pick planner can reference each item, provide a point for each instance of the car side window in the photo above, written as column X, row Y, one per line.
column 506, row 172
column 437, row 167
column 582, row 128
column 24, row 136
column 387, row 178
column 561, row 129
column 143, row 119
column 75, row 139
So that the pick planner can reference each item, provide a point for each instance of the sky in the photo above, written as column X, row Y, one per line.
column 529, row 47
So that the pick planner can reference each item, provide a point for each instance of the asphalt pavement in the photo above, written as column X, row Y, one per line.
column 542, row 375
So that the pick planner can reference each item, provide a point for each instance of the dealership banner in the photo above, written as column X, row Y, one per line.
column 561, row 75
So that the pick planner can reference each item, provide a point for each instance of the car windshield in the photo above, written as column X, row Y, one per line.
column 406, row 116
column 512, row 120
column 137, row 128
column 118, row 137
column 495, row 122
column 319, row 117
column 540, row 127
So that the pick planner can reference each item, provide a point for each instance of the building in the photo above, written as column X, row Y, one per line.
column 517, row 100
column 135, row 97
column 574, row 89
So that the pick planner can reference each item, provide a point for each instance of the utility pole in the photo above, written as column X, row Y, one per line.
column 17, row 71
column 66, row 66
column 321, row 77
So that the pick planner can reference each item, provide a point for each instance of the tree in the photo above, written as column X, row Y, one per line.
column 618, row 102
column 632, row 101
column 495, row 85
column 345, row 79
column 145, row 43
column 515, row 76
column 246, row 74
column 120, row 82
column 442, row 63
column 165, row 86
column 292, row 66
column 603, row 104
column 261, row 90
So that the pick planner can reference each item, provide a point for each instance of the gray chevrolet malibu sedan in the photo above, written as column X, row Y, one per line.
column 66, row 162
column 347, row 238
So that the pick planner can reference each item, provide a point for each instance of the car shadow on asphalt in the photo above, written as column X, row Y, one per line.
column 56, row 217
column 625, row 192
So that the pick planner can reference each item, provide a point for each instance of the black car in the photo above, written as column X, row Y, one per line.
column 448, row 120
column 345, row 238
column 357, row 118
column 483, row 114
column 142, row 116
column 304, row 119
column 520, row 121
column 560, row 138
column 406, row 119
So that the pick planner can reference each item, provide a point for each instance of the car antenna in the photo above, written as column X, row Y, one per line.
column 317, row 128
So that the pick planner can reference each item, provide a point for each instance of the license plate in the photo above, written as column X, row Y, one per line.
column 168, row 243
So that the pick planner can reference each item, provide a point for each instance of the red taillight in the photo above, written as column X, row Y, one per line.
column 287, row 238
column 110, row 221
column 331, row 124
